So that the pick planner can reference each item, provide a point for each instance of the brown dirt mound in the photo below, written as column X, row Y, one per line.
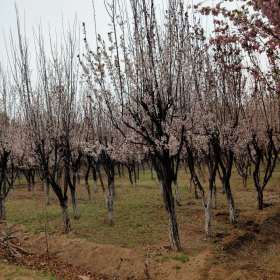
column 106, row 260
column 60, row 269
column 111, row 262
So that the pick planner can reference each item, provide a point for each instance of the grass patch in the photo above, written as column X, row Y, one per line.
column 139, row 215
column 12, row 272
column 183, row 258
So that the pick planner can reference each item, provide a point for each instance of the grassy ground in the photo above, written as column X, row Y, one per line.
column 140, row 218
column 139, row 214
column 13, row 272
column 141, row 226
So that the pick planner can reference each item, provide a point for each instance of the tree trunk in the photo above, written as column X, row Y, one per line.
column 256, row 176
column 177, row 194
column 230, row 200
column 130, row 175
column 232, row 216
column 260, row 199
column 110, row 200
column 208, row 214
column 170, row 208
column 86, row 181
column 152, row 173
column 66, row 218
column 161, row 188
column 258, row 186
column 214, row 198
column 29, row 184
column 119, row 170
column 2, row 209
column 94, row 176
column 101, row 180
column 137, row 174
column 259, row 191
column 88, row 190
column 74, row 204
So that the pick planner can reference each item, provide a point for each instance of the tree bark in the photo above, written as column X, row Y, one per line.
column 86, row 181
column 208, row 214
column 130, row 175
column 66, row 218
column 257, row 183
column 225, row 178
column 94, row 175
column 260, row 199
column 230, row 200
column 74, row 204
column 88, row 190
column 170, row 208
column 101, row 180
column 110, row 200
column 177, row 194
column 214, row 198
column 152, row 172
column 2, row 209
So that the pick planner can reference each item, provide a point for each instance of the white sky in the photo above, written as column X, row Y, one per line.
column 49, row 14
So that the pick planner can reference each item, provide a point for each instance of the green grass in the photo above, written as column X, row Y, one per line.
column 139, row 214
column 183, row 258
column 13, row 272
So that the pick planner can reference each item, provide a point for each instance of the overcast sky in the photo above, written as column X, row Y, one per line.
column 49, row 14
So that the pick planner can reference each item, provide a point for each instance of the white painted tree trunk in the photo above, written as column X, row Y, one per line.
column 110, row 202
column 76, row 211
column 232, row 216
column 231, row 206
